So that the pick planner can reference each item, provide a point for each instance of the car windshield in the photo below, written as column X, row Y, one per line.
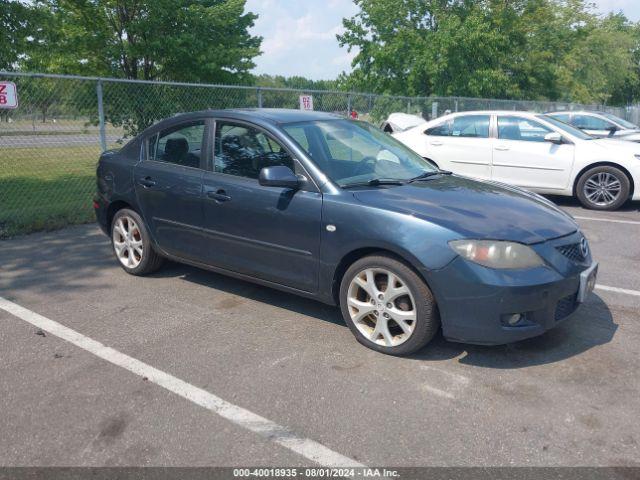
column 620, row 121
column 353, row 152
column 576, row 132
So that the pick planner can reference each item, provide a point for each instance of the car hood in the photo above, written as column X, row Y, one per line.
column 620, row 144
column 628, row 134
column 474, row 209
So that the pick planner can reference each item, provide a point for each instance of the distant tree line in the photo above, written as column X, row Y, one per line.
column 557, row 50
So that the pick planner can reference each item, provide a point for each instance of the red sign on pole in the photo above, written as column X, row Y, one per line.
column 8, row 95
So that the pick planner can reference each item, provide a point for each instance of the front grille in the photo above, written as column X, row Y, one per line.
column 565, row 307
column 572, row 251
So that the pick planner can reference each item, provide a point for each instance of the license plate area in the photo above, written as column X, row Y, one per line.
column 587, row 282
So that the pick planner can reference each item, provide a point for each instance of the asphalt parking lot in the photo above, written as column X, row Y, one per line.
column 193, row 355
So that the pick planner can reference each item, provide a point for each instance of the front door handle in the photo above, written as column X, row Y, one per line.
column 502, row 148
column 147, row 182
column 219, row 195
column 436, row 143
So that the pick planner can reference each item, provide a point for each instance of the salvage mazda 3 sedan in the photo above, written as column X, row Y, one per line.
column 338, row 211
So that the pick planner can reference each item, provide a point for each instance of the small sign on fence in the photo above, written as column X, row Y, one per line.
column 8, row 95
column 306, row 102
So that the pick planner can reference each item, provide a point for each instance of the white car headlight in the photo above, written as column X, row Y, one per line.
column 496, row 254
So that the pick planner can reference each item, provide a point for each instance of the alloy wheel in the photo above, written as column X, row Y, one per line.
column 382, row 307
column 602, row 189
column 127, row 242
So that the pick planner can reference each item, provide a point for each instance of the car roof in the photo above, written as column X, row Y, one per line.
column 266, row 115
column 574, row 112
column 496, row 112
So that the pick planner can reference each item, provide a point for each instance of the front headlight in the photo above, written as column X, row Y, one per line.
column 495, row 254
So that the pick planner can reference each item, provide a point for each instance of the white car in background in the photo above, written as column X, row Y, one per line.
column 600, row 124
column 532, row 151
column 398, row 122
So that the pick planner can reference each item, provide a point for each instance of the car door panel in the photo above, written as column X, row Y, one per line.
column 522, row 157
column 267, row 232
column 170, row 193
column 465, row 148
column 171, row 200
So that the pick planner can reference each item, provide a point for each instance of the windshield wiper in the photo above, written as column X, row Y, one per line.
column 426, row 175
column 374, row 182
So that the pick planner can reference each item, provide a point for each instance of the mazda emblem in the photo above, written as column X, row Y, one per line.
column 584, row 247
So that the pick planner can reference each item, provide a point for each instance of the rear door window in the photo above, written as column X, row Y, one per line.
column 472, row 126
column 440, row 130
column 588, row 122
column 563, row 117
column 180, row 145
column 520, row 128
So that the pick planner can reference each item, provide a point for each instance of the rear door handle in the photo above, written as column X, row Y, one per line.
column 147, row 182
column 436, row 144
column 502, row 148
column 219, row 195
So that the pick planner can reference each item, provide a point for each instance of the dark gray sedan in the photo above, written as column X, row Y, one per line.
column 336, row 210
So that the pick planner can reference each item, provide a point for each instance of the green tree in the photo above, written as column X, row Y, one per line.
column 21, row 31
column 523, row 49
column 279, row 81
column 600, row 65
column 201, row 41
column 180, row 40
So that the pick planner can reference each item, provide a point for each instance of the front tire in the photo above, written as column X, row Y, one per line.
column 387, row 306
column 603, row 188
column 132, row 244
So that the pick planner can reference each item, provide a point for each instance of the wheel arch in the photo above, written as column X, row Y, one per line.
column 116, row 206
column 604, row 164
column 354, row 255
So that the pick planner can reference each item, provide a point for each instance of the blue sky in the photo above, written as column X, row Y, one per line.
column 300, row 35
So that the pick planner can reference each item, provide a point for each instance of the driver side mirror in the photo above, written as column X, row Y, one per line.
column 279, row 176
column 553, row 137
column 612, row 129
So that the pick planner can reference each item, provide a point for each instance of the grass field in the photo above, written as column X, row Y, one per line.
column 46, row 188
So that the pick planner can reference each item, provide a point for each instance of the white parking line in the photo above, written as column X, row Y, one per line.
column 593, row 219
column 309, row 449
column 635, row 293
column 437, row 391
column 455, row 376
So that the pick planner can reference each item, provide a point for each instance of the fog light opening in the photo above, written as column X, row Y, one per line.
column 512, row 319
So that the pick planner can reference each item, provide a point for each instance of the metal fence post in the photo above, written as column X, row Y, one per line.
column 103, row 133
column 348, row 105
column 259, row 92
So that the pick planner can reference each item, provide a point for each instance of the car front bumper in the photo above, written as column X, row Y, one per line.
column 475, row 302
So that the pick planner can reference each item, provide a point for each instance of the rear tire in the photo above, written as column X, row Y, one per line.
column 387, row 306
column 132, row 244
column 603, row 188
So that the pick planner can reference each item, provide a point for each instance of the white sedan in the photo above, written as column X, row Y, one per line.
column 600, row 124
column 532, row 151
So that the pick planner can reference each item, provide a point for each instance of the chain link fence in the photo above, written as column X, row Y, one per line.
column 50, row 143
